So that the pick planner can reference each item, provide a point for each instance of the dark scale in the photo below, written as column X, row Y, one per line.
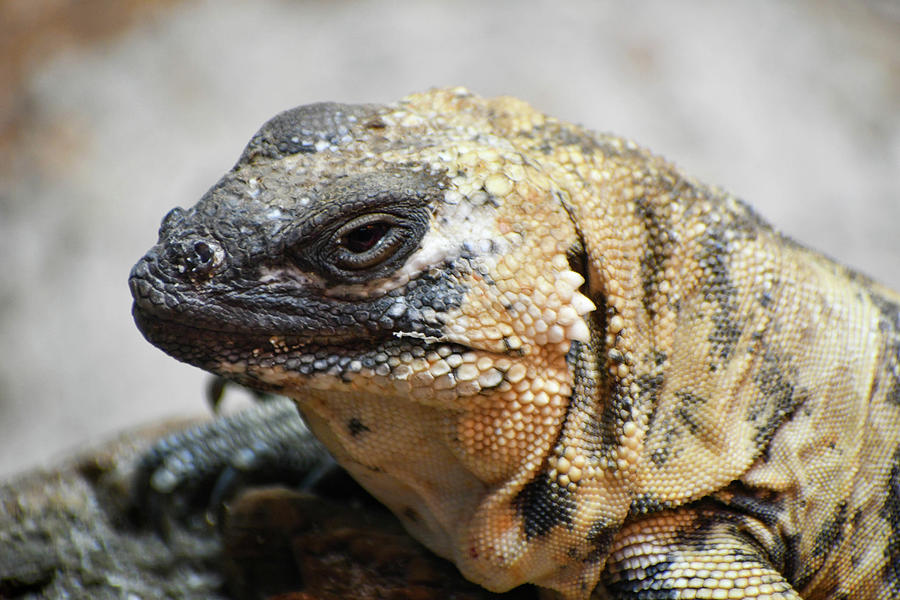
column 657, row 251
column 779, row 396
column 356, row 427
column 600, row 537
column 829, row 536
column 686, row 409
column 543, row 505
column 647, row 503
column 890, row 511
column 721, row 292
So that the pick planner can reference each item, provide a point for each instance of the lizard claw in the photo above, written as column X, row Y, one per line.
column 190, row 476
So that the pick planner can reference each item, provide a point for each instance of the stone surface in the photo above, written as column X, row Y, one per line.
column 69, row 532
column 72, row 532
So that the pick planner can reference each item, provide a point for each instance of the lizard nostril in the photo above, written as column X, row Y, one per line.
column 198, row 258
column 204, row 253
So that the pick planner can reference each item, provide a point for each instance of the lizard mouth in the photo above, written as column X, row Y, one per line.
column 210, row 348
column 279, row 363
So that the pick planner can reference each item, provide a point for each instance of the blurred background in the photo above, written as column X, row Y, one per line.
column 114, row 111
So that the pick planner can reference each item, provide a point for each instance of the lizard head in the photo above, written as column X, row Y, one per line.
column 350, row 241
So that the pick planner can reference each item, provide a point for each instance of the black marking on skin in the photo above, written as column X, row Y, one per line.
column 600, row 536
column 489, row 199
column 657, row 251
column 779, row 398
column 829, row 537
column 356, row 427
column 761, row 505
column 411, row 514
column 615, row 413
column 683, row 418
column 737, row 222
column 661, row 455
column 890, row 310
column 686, row 409
column 542, row 505
column 616, row 356
column 647, row 503
column 599, row 430
column 893, row 394
column 792, row 560
column 584, row 360
column 890, row 329
column 650, row 387
column 777, row 553
column 508, row 349
column 721, row 292
column 589, row 379
column 652, row 581
column 890, row 512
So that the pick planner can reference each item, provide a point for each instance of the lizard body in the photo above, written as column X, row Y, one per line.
column 554, row 356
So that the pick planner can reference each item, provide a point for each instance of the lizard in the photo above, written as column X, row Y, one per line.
column 557, row 358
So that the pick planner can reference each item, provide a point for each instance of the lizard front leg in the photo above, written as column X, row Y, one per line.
column 699, row 552
column 189, row 472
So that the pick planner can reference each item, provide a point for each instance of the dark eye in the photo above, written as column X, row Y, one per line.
column 364, row 238
column 367, row 241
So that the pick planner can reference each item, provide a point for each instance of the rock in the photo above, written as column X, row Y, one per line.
column 73, row 532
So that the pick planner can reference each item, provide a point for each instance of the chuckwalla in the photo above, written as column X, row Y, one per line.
column 553, row 355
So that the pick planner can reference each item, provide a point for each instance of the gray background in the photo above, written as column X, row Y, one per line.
column 795, row 106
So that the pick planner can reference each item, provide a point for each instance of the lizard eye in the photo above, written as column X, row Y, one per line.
column 365, row 237
column 366, row 231
column 367, row 241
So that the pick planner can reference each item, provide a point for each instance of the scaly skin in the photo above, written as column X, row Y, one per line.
column 556, row 358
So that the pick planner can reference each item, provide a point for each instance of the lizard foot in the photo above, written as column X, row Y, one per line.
column 191, row 475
